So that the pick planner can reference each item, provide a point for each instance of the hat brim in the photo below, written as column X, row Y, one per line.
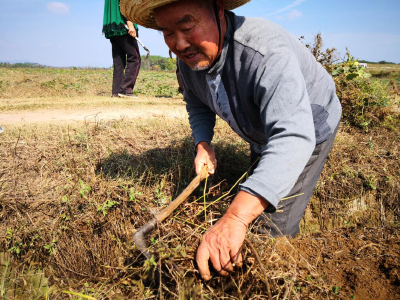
column 141, row 12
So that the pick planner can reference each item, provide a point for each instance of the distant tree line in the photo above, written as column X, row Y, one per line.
column 152, row 63
column 382, row 62
column 21, row 65
column 39, row 66
column 158, row 63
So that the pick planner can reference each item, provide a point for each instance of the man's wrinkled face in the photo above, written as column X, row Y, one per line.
column 190, row 31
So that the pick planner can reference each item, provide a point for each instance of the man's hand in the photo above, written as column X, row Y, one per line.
column 131, row 29
column 221, row 244
column 205, row 156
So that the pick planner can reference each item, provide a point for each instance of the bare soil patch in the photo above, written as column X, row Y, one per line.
column 90, row 114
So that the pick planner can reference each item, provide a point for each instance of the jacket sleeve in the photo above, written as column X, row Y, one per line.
column 285, row 110
column 201, row 117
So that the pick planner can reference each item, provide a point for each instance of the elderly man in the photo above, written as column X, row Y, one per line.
column 270, row 90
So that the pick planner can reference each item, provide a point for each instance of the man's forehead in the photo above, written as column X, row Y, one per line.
column 181, row 20
column 185, row 19
column 178, row 13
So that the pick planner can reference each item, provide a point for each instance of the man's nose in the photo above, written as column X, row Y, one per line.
column 181, row 42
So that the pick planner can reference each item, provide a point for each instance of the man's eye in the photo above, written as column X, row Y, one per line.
column 167, row 35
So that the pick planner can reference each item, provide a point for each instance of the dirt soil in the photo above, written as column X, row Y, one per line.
column 362, row 262
column 89, row 114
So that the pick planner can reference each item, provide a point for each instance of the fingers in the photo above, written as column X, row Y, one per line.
column 211, row 165
column 237, row 260
column 202, row 257
column 198, row 166
column 223, row 263
column 132, row 33
column 205, row 157
column 221, row 249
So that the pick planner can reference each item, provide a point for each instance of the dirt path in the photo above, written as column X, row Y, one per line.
column 89, row 114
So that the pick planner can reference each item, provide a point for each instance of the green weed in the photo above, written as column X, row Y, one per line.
column 106, row 206
column 133, row 195
column 84, row 189
column 51, row 247
column 335, row 290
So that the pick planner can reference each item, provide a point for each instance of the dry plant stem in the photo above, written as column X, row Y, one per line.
column 188, row 222
column 204, row 196
column 160, row 275
column 261, row 266
column 226, row 194
column 287, row 290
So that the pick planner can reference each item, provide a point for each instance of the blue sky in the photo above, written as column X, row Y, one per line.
column 68, row 33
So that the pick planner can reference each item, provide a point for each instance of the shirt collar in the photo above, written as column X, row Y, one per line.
column 218, row 66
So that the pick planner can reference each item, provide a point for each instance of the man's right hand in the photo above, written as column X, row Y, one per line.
column 205, row 156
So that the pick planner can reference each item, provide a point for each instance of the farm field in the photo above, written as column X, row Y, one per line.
column 80, row 172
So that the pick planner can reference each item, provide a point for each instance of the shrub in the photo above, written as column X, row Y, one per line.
column 364, row 100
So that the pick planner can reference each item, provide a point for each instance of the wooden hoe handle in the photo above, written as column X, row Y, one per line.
column 139, row 236
column 163, row 214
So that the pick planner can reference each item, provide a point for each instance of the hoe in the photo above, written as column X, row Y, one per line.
column 139, row 236
column 141, row 44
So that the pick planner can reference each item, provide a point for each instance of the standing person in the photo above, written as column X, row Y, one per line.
column 271, row 91
column 125, row 50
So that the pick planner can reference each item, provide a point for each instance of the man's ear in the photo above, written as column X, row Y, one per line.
column 221, row 9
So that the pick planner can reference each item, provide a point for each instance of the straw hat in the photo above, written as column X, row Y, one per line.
column 141, row 11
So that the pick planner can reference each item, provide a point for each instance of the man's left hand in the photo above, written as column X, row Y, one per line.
column 222, row 242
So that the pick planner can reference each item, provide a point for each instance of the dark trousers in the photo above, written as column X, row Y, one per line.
column 286, row 219
column 126, row 57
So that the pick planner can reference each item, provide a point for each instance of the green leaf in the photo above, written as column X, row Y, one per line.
column 351, row 76
column 335, row 72
column 336, row 289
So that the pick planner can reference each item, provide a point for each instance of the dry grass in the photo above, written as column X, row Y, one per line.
column 63, row 84
column 71, row 195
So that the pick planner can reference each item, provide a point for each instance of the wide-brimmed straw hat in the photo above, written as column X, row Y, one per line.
column 142, row 11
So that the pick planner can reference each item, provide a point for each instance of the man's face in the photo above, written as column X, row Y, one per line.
column 190, row 31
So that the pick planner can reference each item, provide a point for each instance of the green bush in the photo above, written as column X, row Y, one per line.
column 364, row 101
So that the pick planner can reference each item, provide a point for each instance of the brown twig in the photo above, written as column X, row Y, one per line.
column 261, row 266
column 160, row 278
